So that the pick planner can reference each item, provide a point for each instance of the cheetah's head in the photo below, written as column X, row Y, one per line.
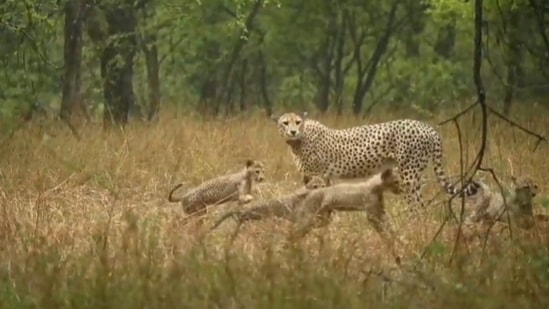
column 256, row 170
column 290, row 126
column 314, row 182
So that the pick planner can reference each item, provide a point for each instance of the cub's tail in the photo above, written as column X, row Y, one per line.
column 170, row 196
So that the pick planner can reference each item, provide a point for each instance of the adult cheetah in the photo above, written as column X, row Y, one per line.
column 359, row 152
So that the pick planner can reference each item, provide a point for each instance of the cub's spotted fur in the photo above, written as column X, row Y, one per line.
column 489, row 206
column 315, row 210
column 232, row 187
column 280, row 207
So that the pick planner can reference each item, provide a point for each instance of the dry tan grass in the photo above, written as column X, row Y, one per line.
column 65, row 193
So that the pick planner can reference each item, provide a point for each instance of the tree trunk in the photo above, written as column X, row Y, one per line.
column 117, row 64
column 324, row 73
column 264, row 83
column 75, row 12
column 366, row 77
column 446, row 39
column 153, row 78
column 227, row 81
column 243, row 85
column 416, row 15
column 513, row 59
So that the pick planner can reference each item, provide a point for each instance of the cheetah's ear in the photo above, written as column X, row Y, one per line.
column 304, row 115
column 514, row 180
column 307, row 179
column 274, row 117
column 249, row 162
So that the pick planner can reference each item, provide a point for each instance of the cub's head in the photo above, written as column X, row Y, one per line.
column 314, row 182
column 525, row 190
column 290, row 125
column 389, row 180
column 524, row 186
column 256, row 170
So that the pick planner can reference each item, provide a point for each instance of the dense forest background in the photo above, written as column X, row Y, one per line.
column 121, row 58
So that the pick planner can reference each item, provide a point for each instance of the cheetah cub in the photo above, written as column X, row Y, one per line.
column 280, row 207
column 489, row 206
column 316, row 209
column 232, row 187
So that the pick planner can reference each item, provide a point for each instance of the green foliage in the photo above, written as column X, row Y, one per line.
column 438, row 249
column 544, row 202
column 197, row 45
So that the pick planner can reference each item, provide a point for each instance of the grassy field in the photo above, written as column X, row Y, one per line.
column 86, row 224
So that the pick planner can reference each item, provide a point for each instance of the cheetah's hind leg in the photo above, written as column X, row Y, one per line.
column 412, row 196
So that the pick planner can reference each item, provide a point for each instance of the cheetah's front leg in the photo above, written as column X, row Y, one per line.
column 244, row 193
column 244, row 199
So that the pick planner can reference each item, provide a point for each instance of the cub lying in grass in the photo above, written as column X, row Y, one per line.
column 489, row 206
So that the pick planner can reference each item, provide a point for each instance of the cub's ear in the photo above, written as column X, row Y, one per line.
column 386, row 174
column 304, row 115
column 514, row 180
column 275, row 117
column 249, row 163
column 307, row 179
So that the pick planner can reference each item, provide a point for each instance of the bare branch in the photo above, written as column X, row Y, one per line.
column 458, row 115
column 481, row 100
column 539, row 137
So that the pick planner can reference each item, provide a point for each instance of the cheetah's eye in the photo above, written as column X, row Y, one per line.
column 285, row 123
column 257, row 172
column 298, row 122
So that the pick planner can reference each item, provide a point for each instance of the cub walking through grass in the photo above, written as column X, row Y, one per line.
column 316, row 209
column 232, row 187
column 280, row 207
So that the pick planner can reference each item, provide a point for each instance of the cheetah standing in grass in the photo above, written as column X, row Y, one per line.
column 360, row 152
column 489, row 206
column 280, row 207
column 232, row 187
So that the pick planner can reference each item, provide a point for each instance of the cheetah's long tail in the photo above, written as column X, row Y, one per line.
column 470, row 188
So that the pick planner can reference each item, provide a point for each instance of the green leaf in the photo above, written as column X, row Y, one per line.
column 438, row 248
